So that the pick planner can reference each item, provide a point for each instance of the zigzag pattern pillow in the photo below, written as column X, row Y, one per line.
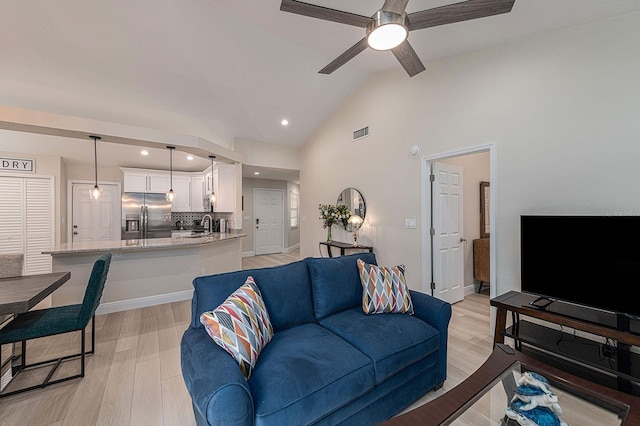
column 384, row 289
column 241, row 325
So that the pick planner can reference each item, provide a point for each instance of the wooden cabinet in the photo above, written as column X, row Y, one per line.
column 224, row 185
column 602, row 347
column 481, row 261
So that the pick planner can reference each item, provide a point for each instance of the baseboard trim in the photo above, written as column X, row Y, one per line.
column 248, row 253
column 292, row 248
column 143, row 302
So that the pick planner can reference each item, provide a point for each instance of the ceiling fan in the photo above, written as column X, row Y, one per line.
column 389, row 27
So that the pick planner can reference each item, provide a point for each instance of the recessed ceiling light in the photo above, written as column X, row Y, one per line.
column 144, row 152
column 256, row 173
column 189, row 157
column 284, row 122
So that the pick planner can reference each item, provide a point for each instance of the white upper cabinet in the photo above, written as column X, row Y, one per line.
column 159, row 182
column 182, row 190
column 197, row 194
column 190, row 188
column 141, row 180
column 224, row 185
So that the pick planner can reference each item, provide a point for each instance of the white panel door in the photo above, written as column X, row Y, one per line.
column 447, row 240
column 95, row 220
column 268, row 214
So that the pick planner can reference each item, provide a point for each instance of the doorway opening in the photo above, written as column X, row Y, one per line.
column 478, row 164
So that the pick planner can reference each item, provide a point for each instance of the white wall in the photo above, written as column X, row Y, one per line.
column 561, row 109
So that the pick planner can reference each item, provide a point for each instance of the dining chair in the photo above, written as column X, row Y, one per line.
column 58, row 320
column 11, row 265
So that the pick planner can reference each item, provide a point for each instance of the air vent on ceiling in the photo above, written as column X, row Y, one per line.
column 361, row 133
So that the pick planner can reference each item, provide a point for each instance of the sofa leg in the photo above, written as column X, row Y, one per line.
column 438, row 386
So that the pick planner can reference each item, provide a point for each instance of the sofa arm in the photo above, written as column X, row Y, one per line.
column 218, row 390
column 437, row 313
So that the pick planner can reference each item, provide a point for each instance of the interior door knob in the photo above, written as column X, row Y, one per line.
column 75, row 233
column 462, row 240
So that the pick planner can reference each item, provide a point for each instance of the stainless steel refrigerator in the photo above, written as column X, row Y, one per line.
column 145, row 216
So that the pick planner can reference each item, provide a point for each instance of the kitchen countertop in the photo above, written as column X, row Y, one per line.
column 143, row 244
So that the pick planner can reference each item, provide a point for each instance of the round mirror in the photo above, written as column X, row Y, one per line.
column 353, row 199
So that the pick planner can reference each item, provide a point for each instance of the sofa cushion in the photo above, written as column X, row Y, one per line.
column 286, row 291
column 384, row 289
column 336, row 282
column 241, row 325
column 392, row 341
column 306, row 372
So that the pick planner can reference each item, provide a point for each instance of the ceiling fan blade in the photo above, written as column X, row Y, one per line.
column 395, row 6
column 325, row 13
column 457, row 12
column 345, row 57
column 408, row 58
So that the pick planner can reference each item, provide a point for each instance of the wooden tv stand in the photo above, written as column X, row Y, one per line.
column 611, row 363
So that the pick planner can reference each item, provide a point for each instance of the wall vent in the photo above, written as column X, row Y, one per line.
column 361, row 133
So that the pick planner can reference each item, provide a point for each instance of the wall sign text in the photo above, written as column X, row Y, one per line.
column 17, row 165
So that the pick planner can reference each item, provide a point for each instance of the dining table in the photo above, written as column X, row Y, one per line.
column 19, row 295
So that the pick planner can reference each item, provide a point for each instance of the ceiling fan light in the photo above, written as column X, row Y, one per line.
column 387, row 30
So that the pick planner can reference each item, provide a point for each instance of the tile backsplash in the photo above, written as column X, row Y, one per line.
column 187, row 218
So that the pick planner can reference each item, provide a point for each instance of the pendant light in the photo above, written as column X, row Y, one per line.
column 170, row 194
column 212, row 196
column 96, row 191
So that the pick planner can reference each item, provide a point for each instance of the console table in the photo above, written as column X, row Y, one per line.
column 343, row 247
column 612, row 363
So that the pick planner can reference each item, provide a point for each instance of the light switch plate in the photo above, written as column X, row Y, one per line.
column 410, row 223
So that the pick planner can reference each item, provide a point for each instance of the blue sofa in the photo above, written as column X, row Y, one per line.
column 328, row 362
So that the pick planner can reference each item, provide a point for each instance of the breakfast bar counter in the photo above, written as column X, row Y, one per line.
column 145, row 272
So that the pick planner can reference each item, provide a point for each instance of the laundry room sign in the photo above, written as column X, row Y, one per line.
column 17, row 165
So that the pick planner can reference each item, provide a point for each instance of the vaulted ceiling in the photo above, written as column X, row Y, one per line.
column 227, row 69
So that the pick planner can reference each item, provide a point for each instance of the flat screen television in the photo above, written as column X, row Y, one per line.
column 586, row 260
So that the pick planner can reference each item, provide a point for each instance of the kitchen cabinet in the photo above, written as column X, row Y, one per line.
column 197, row 194
column 224, row 185
column 148, row 181
column 190, row 188
column 182, row 189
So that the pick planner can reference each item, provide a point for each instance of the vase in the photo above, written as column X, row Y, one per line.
column 329, row 234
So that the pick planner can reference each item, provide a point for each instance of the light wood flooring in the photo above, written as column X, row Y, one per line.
column 134, row 378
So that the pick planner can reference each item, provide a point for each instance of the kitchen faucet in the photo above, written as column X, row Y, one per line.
column 210, row 221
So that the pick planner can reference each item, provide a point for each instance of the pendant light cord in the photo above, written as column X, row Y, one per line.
column 95, row 155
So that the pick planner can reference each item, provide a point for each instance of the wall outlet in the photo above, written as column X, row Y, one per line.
column 410, row 223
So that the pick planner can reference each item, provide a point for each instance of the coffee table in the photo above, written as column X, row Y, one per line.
column 482, row 398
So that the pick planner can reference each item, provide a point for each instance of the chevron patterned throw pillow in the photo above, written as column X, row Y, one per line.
column 384, row 289
column 241, row 325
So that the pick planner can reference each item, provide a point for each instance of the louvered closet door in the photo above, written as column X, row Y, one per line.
column 26, row 220
column 38, row 225
column 11, row 214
